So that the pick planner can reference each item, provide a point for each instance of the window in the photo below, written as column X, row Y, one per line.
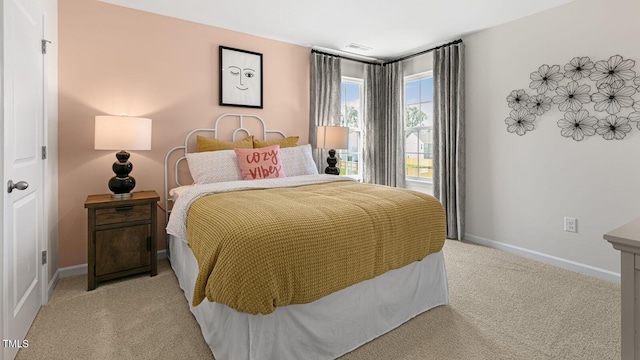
column 351, row 117
column 418, row 127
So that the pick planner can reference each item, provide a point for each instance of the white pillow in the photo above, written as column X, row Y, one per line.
column 214, row 166
column 298, row 160
column 176, row 192
column 219, row 166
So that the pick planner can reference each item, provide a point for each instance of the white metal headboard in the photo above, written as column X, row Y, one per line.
column 239, row 117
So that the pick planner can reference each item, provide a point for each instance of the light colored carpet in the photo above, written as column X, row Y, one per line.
column 502, row 307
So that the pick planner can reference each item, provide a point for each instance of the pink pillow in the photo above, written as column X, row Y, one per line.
column 261, row 163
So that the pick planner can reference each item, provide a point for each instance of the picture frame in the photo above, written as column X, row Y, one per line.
column 240, row 78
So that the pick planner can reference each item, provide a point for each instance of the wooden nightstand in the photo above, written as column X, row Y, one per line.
column 122, row 236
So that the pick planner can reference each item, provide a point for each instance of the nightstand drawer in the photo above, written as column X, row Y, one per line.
column 121, row 214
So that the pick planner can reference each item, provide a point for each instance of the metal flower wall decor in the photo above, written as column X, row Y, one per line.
column 596, row 98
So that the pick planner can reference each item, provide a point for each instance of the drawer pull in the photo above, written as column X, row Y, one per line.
column 124, row 208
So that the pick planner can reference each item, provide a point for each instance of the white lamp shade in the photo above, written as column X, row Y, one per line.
column 332, row 137
column 122, row 133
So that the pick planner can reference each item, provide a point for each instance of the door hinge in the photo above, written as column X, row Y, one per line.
column 44, row 46
column 44, row 257
column 44, row 153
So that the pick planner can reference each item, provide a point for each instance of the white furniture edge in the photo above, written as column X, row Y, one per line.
column 626, row 238
column 545, row 258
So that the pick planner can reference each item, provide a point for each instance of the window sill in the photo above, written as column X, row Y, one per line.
column 421, row 186
column 354, row 177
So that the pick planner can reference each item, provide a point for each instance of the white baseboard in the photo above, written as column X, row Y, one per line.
column 72, row 270
column 547, row 259
column 82, row 269
column 53, row 283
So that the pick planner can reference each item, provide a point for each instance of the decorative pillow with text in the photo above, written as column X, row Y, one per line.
column 262, row 163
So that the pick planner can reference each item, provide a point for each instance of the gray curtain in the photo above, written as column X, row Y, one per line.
column 449, row 136
column 384, row 124
column 326, row 79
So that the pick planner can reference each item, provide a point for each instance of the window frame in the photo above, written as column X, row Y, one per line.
column 407, row 79
column 359, row 129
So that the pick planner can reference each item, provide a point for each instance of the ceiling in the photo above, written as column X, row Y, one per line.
column 390, row 29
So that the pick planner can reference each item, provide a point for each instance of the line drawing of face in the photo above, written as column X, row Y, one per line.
column 242, row 76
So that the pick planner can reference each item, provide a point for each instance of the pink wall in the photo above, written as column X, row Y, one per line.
column 115, row 60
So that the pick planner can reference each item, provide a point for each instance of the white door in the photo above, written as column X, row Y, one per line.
column 23, row 164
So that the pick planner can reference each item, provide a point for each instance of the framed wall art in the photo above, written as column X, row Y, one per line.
column 240, row 78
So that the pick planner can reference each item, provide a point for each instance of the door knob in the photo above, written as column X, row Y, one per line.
column 20, row 185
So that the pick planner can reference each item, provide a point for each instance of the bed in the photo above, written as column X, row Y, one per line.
column 308, row 266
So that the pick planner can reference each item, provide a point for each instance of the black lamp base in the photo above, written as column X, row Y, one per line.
column 121, row 187
column 122, row 184
column 332, row 160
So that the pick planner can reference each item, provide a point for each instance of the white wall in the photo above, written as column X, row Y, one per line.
column 519, row 188
column 418, row 64
column 352, row 69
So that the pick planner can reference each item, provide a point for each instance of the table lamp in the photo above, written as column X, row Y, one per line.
column 122, row 133
column 332, row 137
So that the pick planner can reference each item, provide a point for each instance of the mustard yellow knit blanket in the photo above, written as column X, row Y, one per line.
column 260, row 249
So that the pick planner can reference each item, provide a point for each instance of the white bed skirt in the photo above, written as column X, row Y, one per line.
column 324, row 329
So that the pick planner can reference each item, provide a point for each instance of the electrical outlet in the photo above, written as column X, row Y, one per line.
column 570, row 224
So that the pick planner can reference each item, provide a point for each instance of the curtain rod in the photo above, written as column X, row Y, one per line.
column 391, row 61
column 344, row 57
column 424, row 51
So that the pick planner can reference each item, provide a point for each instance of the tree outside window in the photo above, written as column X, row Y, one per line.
column 419, row 127
column 350, row 116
